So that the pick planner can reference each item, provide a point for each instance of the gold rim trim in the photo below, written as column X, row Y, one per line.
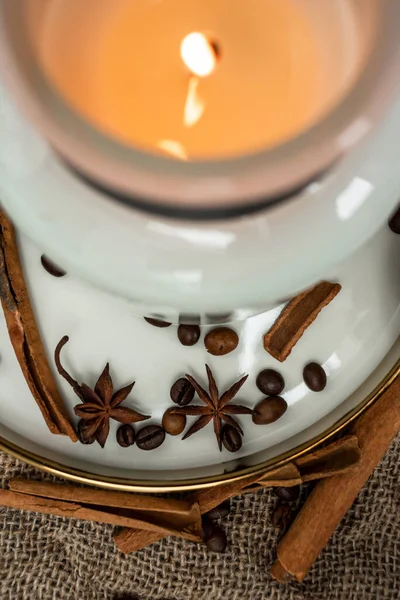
column 141, row 486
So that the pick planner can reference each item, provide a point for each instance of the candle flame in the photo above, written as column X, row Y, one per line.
column 194, row 105
column 198, row 54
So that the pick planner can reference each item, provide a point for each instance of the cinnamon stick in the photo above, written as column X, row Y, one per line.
column 130, row 540
column 210, row 498
column 331, row 498
column 83, row 495
column 25, row 337
column 171, row 513
column 296, row 317
column 286, row 476
column 116, row 517
column 133, row 539
column 336, row 457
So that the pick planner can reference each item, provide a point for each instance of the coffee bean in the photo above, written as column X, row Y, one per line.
column 216, row 540
column 287, row 494
column 173, row 422
column 394, row 222
column 269, row 410
column 270, row 382
column 188, row 335
column 207, row 527
column 314, row 377
column 125, row 436
column 281, row 516
column 157, row 322
column 231, row 438
column 182, row 392
column 220, row 512
column 221, row 341
column 51, row 268
column 82, row 433
column 150, row 437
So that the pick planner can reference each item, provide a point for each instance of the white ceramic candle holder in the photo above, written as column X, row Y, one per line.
column 294, row 211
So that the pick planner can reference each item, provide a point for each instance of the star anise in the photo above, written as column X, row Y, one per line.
column 217, row 408
column 101, row 404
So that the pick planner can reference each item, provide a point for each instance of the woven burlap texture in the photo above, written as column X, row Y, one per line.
column 49, row 558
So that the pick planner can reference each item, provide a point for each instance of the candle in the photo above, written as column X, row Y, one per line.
column 200, row 79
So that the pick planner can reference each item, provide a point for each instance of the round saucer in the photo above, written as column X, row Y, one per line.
column 350, row 338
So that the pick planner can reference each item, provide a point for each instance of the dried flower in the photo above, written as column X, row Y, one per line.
column 216, row 408
column 101, row 404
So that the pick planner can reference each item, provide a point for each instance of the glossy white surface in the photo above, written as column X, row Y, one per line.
column 168, row 265
column 350, row 338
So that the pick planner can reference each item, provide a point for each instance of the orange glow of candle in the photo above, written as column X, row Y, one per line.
column 164, row 85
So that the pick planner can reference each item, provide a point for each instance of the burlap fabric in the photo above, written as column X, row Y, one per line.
column 46, row 557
